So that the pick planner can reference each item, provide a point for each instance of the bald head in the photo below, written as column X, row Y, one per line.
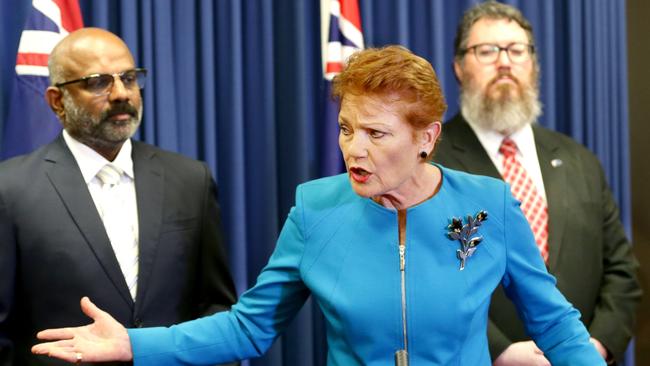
column 102, row 121
column 87, row 51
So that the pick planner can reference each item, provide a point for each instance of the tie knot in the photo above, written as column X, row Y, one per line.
column 109, row 174
column 508, row 147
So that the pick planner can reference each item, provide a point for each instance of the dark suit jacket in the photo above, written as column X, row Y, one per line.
column 54, row 249
column 589, row 253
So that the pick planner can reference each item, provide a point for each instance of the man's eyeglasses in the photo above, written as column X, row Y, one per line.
column 102, row 84
column 487, row 53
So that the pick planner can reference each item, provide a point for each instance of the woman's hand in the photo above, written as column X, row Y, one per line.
column 520, row 354
column 103, row 340
column 602, row 350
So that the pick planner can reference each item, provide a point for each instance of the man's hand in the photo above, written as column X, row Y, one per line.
column 522, row 354
column 103, row 340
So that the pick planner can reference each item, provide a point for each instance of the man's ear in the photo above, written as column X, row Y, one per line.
column 458, row 71
column 54, row 98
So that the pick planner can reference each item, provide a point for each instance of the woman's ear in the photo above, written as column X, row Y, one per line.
column 430, row 136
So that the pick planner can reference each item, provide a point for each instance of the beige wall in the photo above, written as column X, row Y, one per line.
column 638, row 28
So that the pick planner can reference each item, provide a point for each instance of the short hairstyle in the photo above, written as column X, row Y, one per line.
column 490, row 10
column 394, row 70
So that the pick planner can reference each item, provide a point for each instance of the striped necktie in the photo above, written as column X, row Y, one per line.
column 120, row 231
column 532, row 203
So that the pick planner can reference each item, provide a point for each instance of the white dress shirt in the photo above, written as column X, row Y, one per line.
column 90, row 163
column 526, row 151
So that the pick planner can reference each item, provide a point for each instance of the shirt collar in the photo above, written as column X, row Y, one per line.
column 491, row 140
column 525, row 141
column 90, row 161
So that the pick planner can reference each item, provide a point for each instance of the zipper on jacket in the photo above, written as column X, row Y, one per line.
column 401, row 356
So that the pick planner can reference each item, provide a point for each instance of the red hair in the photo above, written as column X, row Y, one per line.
column 390, row 72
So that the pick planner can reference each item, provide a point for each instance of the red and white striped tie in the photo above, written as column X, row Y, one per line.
column 523, row 188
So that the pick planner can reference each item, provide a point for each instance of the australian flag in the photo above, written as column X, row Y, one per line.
column 344, row 38
column 30, row 122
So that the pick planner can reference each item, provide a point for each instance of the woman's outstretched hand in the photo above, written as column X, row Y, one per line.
column 103, row 340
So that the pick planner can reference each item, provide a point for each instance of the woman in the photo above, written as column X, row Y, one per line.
column 399, row 253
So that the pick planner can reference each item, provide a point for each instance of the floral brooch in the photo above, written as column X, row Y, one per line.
column 465, row 234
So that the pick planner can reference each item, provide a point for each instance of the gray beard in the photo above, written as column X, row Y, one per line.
column 504, row 115
column 90, row 130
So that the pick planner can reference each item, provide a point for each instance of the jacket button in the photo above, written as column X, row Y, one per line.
column 138, row 323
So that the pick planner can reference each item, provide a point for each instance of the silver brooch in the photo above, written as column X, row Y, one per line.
column 466, row 235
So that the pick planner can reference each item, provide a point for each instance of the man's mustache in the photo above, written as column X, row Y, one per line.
column 501, row 74
column 119, row 109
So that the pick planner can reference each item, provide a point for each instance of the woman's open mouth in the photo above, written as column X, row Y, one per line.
column 359, row 175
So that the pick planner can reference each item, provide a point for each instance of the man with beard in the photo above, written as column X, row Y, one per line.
column 94, row 213
column 560, row 183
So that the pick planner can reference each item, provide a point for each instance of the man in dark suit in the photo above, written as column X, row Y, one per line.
column 146, row 246
column 576, row 222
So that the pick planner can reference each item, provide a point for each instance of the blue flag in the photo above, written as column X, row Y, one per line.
column 30, row 121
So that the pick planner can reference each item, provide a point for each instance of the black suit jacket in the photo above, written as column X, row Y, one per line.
column 589, row 253
column 54, row 248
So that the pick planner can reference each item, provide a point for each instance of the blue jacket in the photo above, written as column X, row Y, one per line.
column 343, row 250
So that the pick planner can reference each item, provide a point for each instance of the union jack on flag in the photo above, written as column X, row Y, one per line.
column 345, row 35
column 344, row 38
column 30, row 122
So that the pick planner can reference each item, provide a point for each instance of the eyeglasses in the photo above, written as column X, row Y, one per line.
column 487, row 53
column 102, row 84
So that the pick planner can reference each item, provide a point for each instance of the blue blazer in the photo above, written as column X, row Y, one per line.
column 343, row 250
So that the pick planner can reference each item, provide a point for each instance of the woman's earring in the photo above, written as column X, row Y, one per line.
column 423, row 154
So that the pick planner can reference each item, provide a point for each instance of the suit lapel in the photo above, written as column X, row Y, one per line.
column 64, row 174
column 149, row 190
column 467, row 149
column 554, row 174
